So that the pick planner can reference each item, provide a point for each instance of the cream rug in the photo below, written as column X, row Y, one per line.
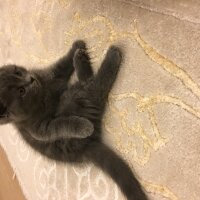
column 153, row 116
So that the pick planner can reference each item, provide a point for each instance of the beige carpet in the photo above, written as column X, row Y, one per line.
column 153, row 117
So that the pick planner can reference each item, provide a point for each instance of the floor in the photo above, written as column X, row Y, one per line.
column 9, row 186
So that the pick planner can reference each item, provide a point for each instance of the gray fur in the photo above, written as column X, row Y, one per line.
column 63, row 121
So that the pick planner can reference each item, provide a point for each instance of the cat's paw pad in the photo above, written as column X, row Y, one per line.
column 115, row 53
column 82, row 55
column 79, row 44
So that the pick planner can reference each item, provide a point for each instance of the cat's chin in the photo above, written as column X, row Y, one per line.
column 4, row 119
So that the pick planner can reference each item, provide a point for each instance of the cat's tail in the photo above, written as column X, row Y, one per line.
column 105, row 158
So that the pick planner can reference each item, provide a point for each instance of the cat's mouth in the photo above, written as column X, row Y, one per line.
column 3, row 110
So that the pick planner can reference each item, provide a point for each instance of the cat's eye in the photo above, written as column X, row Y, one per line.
column 18, row 73
column 21, row 91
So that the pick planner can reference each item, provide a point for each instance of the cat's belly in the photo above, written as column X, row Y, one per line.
column 80, row 101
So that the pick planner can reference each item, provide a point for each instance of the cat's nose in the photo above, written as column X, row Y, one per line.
column 30, row 78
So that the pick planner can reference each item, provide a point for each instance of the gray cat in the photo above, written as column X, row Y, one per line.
column 63, row 121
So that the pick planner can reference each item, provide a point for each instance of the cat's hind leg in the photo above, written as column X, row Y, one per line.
column 82, row 65
column 107, row 73
column 64, row 68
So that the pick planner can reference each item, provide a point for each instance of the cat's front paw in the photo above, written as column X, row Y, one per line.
column 87, row 128
column 79, row 44
column 82, row 128
column 115, row 54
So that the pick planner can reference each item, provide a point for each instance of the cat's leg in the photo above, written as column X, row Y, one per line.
column 108, row 72
column 63, row 128
column 64, row 68
column 82, row 65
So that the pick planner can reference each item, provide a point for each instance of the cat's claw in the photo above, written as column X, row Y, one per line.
column 81, row 56
column 81, row 53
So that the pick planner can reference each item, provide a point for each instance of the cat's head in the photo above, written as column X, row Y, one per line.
column 19, row 93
